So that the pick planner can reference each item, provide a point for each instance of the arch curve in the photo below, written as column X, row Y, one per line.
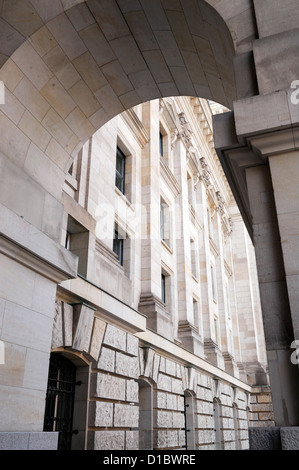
column 76, row 65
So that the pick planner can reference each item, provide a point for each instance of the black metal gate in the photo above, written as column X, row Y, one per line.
column 60, row 399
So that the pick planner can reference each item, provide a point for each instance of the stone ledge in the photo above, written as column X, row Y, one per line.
column 28, row 440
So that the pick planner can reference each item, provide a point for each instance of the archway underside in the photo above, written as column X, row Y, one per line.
column 85, row 65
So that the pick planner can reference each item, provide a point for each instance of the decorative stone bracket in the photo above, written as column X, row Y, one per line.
column 77, row 328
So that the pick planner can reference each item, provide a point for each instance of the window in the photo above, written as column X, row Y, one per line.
column 163, row 288
column 165, row 222
column 162, row 220
column 118, row 246
column 166, row 290
column 214, row 284
column 193, row 258
column 161, row 144
column 77, row 241
column 120, row 170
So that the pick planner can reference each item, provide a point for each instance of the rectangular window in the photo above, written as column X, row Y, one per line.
column 163, row 288
column 77, row 241
column 193, row 258
column 162, row 220
column 120, row 170
column 165, row 223
column 161, row 142
column 195, row 313
column 214, row 283
column 118, row 246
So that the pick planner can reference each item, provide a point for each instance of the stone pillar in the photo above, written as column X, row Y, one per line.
column 158, row 317
column 31, row 266
column 274, row 297
column 285, row 176
column 260, row 130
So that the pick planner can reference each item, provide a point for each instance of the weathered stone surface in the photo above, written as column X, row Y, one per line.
column 109, row 386
column 126, row 365
column 97, row 337
column 116, row 338
column 126, row 416
column 83, row 323
column 103, row 414
column 289, row 438
column 132, row 391
column 107, row 359
column 28, row 441
column 109, row 440
column 132, row 345
column 132, row 440
column 264, row 439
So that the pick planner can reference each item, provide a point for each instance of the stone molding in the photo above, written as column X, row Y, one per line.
column 35, row 263
column 77, row 328
column 136, row 126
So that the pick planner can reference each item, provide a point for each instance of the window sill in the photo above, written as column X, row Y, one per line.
column 124, row 197
column 167, row 247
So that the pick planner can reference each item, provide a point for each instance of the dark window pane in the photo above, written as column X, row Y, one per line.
column 118, row 247
column 161, row 144
column 163, row 289
column 120, row 170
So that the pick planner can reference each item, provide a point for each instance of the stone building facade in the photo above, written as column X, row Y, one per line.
column 163, row 322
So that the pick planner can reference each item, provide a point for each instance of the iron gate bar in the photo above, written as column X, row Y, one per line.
column 60, row 399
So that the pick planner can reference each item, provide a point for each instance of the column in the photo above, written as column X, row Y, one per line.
column 274, row 297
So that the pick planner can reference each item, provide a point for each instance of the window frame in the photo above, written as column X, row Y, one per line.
column 120, row 178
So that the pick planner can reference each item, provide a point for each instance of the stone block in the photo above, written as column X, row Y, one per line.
column 103, row 414
column 132, row 345
column 264, row 438
column 67, row 37
column 30, row 62
column 272, row 18
column 289, row 438
column 115, row 338
column 177, row 386
column 126, row 365
column 132, row 440
column 164, row 382
column 111, row 387
column 43, row 441
column 97, row 337
column 261, row 107
column 132, row 391
column 83, row 323
column 170, row 368
column 28, row 440
column 107, row 360
column 107, row 440
column 126, row 416
column 164, row 419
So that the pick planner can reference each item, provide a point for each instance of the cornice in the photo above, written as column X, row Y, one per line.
column 170, row 179
column 136, row 126
column 32, row 261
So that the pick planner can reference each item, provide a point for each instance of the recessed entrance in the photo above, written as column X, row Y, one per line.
column 60, row 399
